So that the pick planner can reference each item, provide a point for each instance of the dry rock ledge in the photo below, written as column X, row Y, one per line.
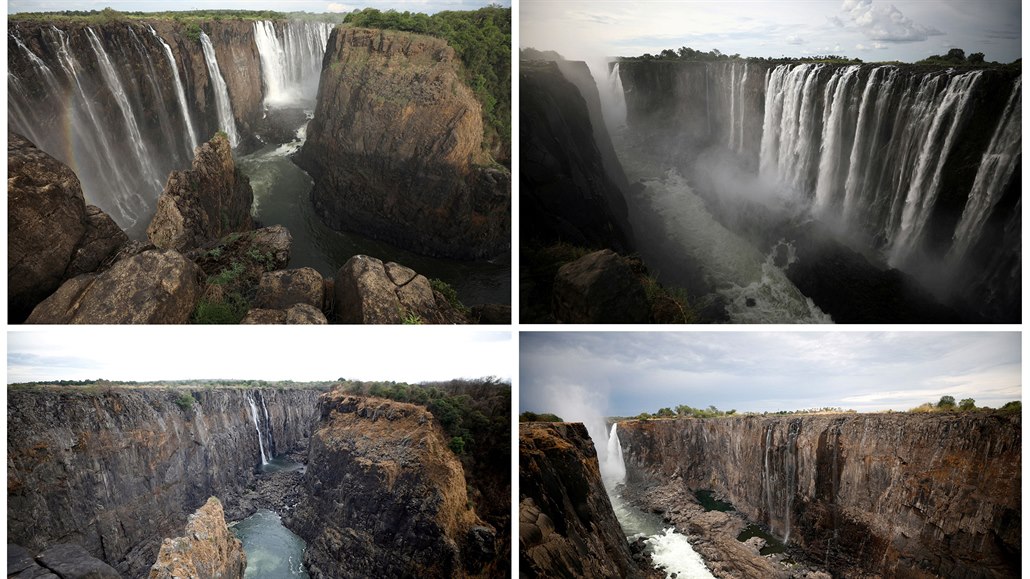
column 207, row 548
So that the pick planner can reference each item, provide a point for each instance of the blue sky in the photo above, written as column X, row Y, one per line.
column 426, row 6
column 873, row 30
column 623, row 374
column 418, row 354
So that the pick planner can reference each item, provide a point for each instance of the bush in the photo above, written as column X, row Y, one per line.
column 230, row 310
column 185, row 401
column 534, row 417
column 450, row 294
column 946, row 403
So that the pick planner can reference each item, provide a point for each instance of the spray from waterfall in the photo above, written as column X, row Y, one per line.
column 226, row 121
column 261, row 444
column 291, row 59
column 180, row 93
column 614, row 470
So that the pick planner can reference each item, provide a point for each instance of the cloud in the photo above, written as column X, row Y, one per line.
column 795, row 39
column 836, row 21
column 337, row 7
column 885, row 23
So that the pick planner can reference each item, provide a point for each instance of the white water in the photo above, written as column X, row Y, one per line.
column 614, row 470
column 268, row 422
column 180, row 93
column 226, row 121
column 834, row 109
column 261, row 444
column 673, row 554
column 613, row 101
column 291, row 60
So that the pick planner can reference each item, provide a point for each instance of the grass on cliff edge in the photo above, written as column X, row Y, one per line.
column 109, row 15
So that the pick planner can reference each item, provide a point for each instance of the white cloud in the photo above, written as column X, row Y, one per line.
column 885, row 23
column 795, row 39
column 337, row 7
column 879, row 46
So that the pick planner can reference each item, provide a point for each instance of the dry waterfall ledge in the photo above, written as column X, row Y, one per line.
column 111, row 471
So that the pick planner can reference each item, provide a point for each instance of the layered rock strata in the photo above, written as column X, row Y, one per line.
column 890, row 494
column 207, row 549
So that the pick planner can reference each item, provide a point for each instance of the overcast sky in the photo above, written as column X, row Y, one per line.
column 624, row 374
column 873, row 30
column 426, row 6
column 258, row 353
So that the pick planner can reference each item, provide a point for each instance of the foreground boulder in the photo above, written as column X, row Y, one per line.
column 295, row 314
column 284, row 288
column 207, row 549
column 52, row 234
column 600, row 288
column 153, row 287
column 69, row 561
column 205, row 203
column 367, row 291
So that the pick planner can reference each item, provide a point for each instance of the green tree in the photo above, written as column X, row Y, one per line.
column 967, row 404
column 977, row 58
column 946, row 403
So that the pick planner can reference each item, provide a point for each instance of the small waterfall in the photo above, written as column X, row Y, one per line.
column 180, row 93
column 999, row 162
column 790, row 467
column 226, row 121
column 766, row 478
column 261, row 444
column 614, row 471
column 740, row 107
column 268, row 425
column 733, row 107
column 291, row 59
column 613, row 99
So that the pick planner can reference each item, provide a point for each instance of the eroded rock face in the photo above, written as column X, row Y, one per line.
column 600, row 288
column 889, row 494
column 202, row 204
column 567, row 527
column 207, row 549
column 367, row 291
column 52, row 234
column 386, row 496
column 295, row 314
column 153, row 287
column 283, row 288
column 161, row 460
column 393, row 146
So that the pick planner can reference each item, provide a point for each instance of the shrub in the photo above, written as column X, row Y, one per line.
column 185, row 401
column 450, row 294
column 230, row 310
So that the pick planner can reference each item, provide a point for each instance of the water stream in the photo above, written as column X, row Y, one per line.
column 273, row 551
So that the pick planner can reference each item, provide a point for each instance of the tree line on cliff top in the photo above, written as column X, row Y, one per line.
column 956, row 57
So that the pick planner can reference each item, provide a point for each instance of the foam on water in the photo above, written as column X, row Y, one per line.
column 672, row 553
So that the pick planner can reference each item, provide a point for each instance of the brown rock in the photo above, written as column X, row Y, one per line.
column 295, row 314
column 102, row 239
column 492, row 313
column 204, row 203
column 599, row 288
column 154, row 287
column 282, row 288
column 369, row 292
column 207, row 549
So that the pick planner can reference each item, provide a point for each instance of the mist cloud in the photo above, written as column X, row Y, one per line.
column 885, row 23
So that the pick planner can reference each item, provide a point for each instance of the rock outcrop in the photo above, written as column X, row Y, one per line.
column 295, row 314
column 567, row 527
column 386, row 496
column 52, row 234
column 153, row 287
column 161, row 454
column 367, row 291
column 284, row 288
column 600, row 288
column 205, row 203
column 207, row 549
column 889, row 494
column 393, row 148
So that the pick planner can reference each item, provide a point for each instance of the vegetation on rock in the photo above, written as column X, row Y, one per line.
column 534, row 417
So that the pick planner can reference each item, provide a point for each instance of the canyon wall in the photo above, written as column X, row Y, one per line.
column 394, row 145
column 567, row 527
column 386, row 496
column 115, row 469
column 919, row 165
column 912, row 495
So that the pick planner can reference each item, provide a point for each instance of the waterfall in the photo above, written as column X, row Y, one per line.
column 180, row 93
column 733, row 106
column 261, row 444
column 613, row 101
column 999, row 162
column 291, row 60
column 768, row 481
column 139, row 147
column 740, row 107
column 226, row 121
column 614, row 471
column 268, row 424
column 790, row 467
column 835, row 107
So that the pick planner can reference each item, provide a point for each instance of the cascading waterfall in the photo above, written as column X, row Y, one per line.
column 614, row 101
column 180, row 93
column 996, row 168
column 766, row 478
column 790, row 467
column 268, row 424
column 291, row 59
column 226, row 121
column 615, row 464
column 837, row 103
column 261, row 444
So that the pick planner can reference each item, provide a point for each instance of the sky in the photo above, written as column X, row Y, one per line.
column 425, row 6
column 872, row 30
column 419, row 354
column 624, row 374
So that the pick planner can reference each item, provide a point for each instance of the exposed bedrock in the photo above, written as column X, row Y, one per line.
column 894, row 494
column 52, row 234
column 207, row 548
column 387, row 497
column 202, row 204
column 114, row 471
column 367, row 291
column 394, row 145
column 567, row 527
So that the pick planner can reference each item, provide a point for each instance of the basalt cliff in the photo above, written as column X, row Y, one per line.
column 897, row 495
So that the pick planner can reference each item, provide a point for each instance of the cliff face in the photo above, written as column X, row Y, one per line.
column 239, row 61
column 207, row 549
column 209, row 201
column 386, row 496
column 894, row 494
column 393, row 145
column 115, row 471
column 565, row 190
column 567, row 527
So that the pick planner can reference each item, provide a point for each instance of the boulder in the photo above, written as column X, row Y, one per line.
column 52, row 234
column 283, row 288
column 492, row 314
column 295, row 314
column 207, row 549
column 153, row 287
column 21, row 565
column 71, row 561
column 600, row 288
column 367, row 291
column 204, row 203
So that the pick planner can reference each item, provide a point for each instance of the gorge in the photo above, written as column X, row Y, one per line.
column 112, row 469
column 125, row 100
